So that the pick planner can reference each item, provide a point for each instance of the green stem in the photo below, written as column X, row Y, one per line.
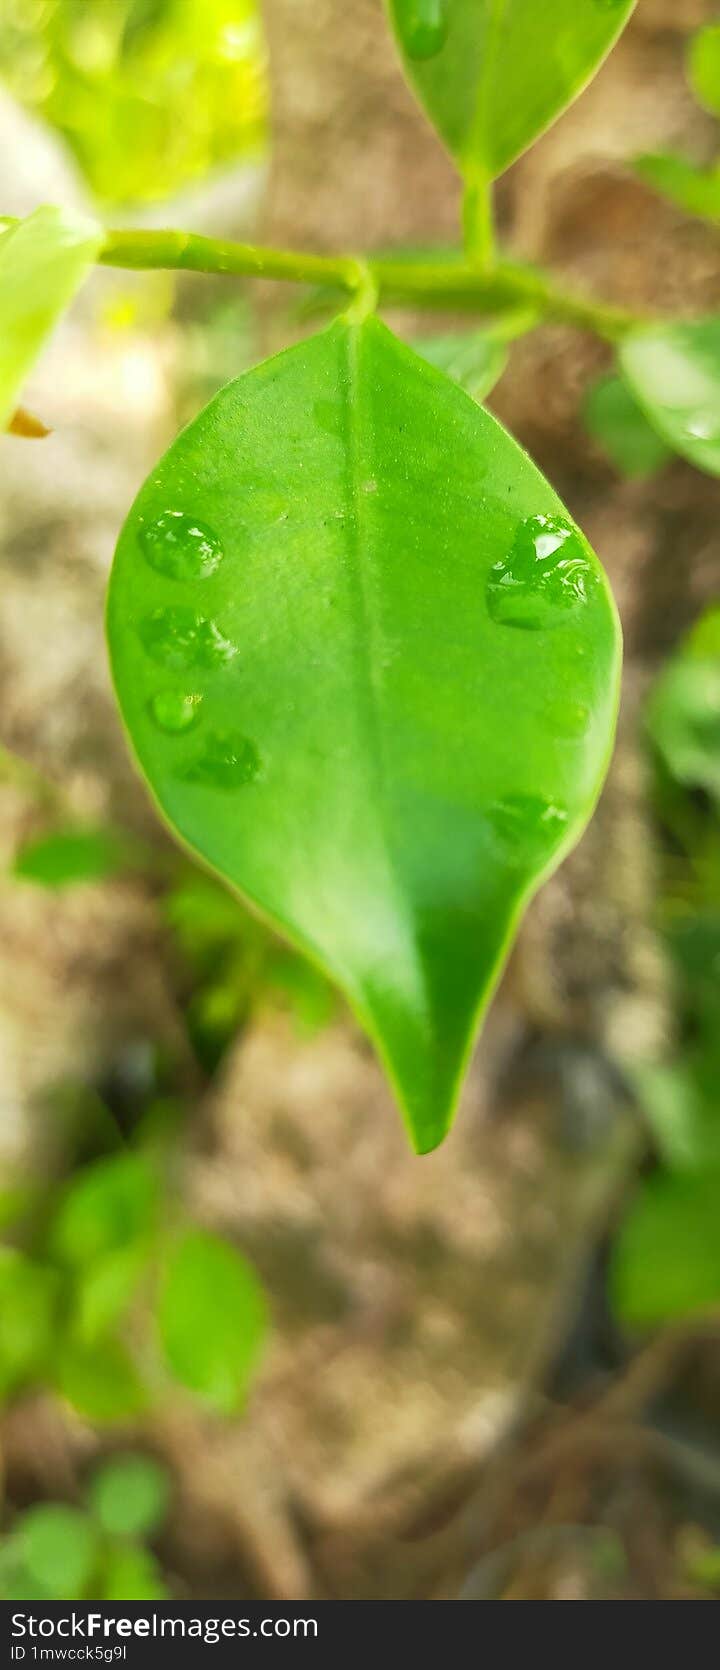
column 190, row 252
column 479, row 224
column 448, row 285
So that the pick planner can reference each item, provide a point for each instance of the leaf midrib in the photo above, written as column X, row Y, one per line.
column 366, row 635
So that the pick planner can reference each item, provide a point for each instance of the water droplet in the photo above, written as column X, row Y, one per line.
column 181, row 547
column 370, row 486
column 424, row 26
column 544, row 578
column 227, row 761
column 174, row 710
column 180, row 639
column 526, row 827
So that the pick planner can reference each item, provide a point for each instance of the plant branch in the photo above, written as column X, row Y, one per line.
column 427, row 284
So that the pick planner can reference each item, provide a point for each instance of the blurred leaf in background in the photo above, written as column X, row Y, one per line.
column 684, row 711
column 666, row 1258
column 129, row 1495
column 67, row 856
column 149, row 94
column 615, row 421
column 704, row 67
column 212, row 1319
column 64, row 1552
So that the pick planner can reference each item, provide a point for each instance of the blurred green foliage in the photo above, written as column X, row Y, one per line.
column 55, row 1551
column 149, row 94
column 693, row 187
column 91, row 1303
column 66, row 856
column 615, row 421
column 666, row 1262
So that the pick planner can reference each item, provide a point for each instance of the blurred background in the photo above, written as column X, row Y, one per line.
column 249, row 1345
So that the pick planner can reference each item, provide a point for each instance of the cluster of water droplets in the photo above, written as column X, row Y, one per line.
column 545, row 577
column 180, row 639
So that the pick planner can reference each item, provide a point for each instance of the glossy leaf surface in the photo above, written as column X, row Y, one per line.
column 43, row 261
column 674, row 373
column 370, row 669
column 493, row 74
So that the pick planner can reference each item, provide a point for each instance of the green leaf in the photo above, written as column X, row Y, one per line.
column 615, row 421
column 28, row 1314
column 106, row 1288
column 100, row 1380
column 129, row 1495
column 109, row 1205
column 666, row 1261
column 374, row 590
column 684, row 1120
column 43, row 261
column 58, row 1548
column 69, row 856
column 493, row 74
column 674, row 372
column 683, row 719
column 476, row 359
column 695, row 189
column 704, row 67
column 212, row 1319
column 133, row 1574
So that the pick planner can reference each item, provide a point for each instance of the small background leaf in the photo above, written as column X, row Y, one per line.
column 615, row 420
column 58, row 1549
column 704, row 67
column 666, row 1262
column 100, row 1380
column 474, row 359
column 674, row 372
column 692, row 188
column 129, row 1495
column 69, row 856
column 28, row 1318
column 683, row 715
column 132, row 1573
column 43, row 261
column 111, row 1204
column 212, row 1319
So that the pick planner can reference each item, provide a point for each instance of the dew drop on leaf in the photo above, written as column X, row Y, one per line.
column 180, row 639
column 544, row 579
column 174, row 710
column 227, row 761
column 180, row 547
column 525, row 827
column 425, row 25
